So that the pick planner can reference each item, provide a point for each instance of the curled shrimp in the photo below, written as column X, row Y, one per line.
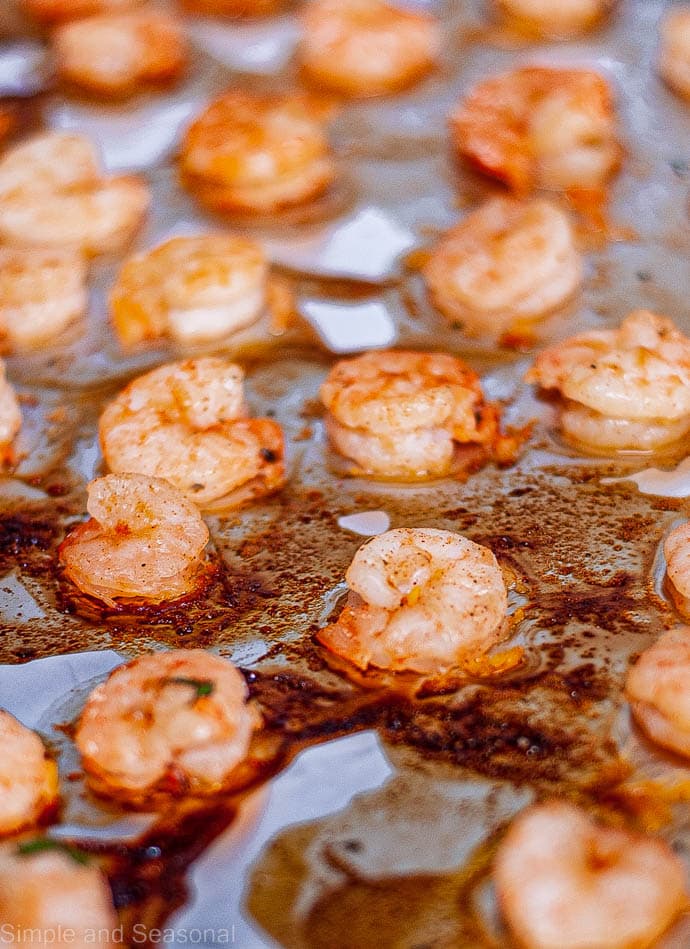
column 366, row 47
column 58, row 11
column 508, row 261
column 402, row 414
column 28, row 777
column 564, row 881
column 50, row 889
column 257, row 153
column 677, row 553
column 674, row 53
column 187, row 422
column 625, row 388
column 41, row 292
column 176, row 719
column 10, row 416
column 553, row 20
column 119, row 55
column 53, row 194
column 421, row 599
column 143, row 541
column 191, row 288
column 540, row 127
column 657, row 689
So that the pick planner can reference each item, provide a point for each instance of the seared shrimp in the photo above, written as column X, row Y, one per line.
column 674, row 55
column 627, row 388
column 657, row 689
column 175, row 720
column 58, row 11
column 10, row 416
column 554, row 20
column 53, row 194
column 540, row 127
column 508, row 261
column 118, row 55
column 50, row 892
column 28, row 777
column 143, row 541
column 677, row 553
column 566, row 882
column 421, row 599
column 41, row 292
column 187, row 422
column 366, row 47
column 190, row 288
column 257, row 153
column 402, row 414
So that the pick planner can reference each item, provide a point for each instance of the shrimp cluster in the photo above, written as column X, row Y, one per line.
column 144, row 541
column 175, row 721
column 187, row 422
column 257, row 153
column 674, row 54
column 508, row 262
column 421, row 599
column 59, row 11
column 41, row 292
column 540, row 127
column 118, row 55
column 565, row 881
column 544, row 18
column 28, row 777
column 53, row 194
column 49, row 889
column 403, row 414
column 193, row 289
column 10, row 417
column 625, row 388
column 657, row 689
column 677, row 553
column 240, row 9
column 366, row 47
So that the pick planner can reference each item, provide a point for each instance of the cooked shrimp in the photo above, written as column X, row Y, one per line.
column 53, row 194
column 257, row 153
column 421, row 599
column 507, row 261
column 49, row 893
column 555, row 20
column 10, row 416
column 674, row 55
column 28, row 777
column 366, row 47
column 41, row 292
column 190, row 288
column 179, row 716
column 118, row 55
column 657, row 689
column 540, row 127
column 565, row 881
column 627, row 388
column 402, row 414
column 143, row 541
column 234, row 8
column 677, row 553
column 187, row 422
column 58, row 11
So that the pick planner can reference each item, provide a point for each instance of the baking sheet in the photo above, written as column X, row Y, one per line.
column 395, row 818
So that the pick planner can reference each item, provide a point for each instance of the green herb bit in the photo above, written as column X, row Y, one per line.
column 680, row 167
column 44, row 844
column 203, row 687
